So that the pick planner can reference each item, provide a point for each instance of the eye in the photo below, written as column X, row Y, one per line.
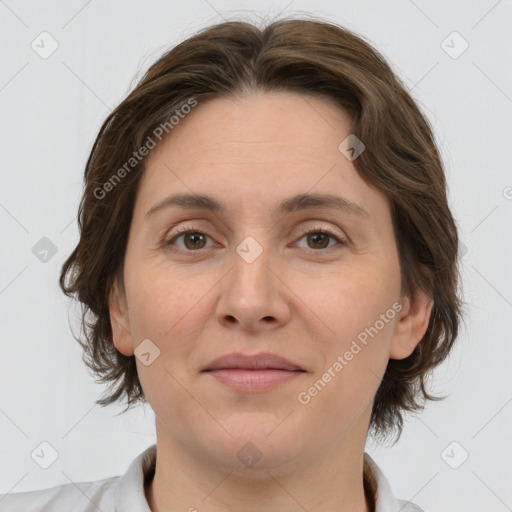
column 320, row 238
column 193, row 242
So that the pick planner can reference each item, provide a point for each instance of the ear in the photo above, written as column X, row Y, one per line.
column 411, row 325
column 119, row 320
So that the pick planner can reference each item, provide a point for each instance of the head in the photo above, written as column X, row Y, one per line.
column 253, row 117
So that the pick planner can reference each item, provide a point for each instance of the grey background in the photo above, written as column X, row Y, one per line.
column 51, row 109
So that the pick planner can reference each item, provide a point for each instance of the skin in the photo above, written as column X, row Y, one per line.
column 303, row 298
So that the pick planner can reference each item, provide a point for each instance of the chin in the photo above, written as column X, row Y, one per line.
column 252, row 450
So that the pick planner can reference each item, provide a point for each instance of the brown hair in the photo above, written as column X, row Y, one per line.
column 400, row 160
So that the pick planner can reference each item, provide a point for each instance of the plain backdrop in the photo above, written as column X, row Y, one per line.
column 455, row 59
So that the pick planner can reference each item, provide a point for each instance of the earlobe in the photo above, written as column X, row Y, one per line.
column 411, row 325
column 119, row 321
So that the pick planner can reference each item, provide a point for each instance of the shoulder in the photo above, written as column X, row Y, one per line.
column 125, row 492
column 79, row 497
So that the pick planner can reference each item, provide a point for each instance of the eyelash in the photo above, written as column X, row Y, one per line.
column 168, row 244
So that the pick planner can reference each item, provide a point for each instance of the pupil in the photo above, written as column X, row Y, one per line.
column 314, row 236
column 194, row 237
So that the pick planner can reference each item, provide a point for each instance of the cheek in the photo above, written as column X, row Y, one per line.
column 354, row 357
column 351, row 301
column 161, row 301
column 358, row 315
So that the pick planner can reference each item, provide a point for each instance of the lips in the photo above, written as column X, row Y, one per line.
column 262, row 361
column 257, row 373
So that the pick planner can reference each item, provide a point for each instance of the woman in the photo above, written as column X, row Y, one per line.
column 269, row 260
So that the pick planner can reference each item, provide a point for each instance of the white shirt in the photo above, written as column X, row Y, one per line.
column 126, row 493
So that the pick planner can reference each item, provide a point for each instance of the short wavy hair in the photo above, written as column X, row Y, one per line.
column 401, row 160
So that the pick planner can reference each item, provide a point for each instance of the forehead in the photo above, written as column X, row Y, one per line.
column 290, row 125
column 255, row 149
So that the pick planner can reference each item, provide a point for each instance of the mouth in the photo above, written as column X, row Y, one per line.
column 262, row 361
column 253, row 373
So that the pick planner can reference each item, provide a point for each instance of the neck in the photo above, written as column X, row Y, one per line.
column 339, row 480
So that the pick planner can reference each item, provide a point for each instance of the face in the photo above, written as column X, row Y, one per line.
column 249, row 278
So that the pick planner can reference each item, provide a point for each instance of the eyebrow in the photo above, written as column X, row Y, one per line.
column 293, row 204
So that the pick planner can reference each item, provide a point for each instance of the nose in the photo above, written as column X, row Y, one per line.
column 254, row 295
